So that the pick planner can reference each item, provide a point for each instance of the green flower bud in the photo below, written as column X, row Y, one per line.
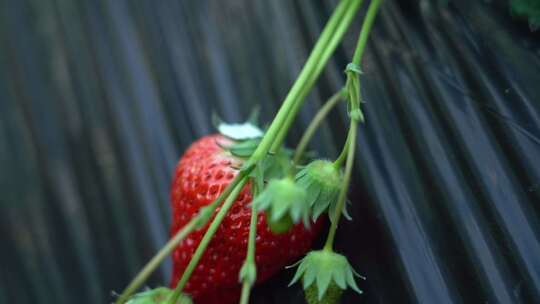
column 322, row 182
column 157, row 296
column 284, row 203
column 323, row 270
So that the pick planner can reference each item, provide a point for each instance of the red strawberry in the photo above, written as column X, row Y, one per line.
column 201, row 175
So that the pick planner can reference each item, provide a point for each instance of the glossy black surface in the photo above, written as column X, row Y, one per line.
column 98, row 99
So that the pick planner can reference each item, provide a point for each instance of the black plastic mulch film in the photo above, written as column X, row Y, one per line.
column 99, row 98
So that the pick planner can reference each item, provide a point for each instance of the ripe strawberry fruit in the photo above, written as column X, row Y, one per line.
column 201, row 175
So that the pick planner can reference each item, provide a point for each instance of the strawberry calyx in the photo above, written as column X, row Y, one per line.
column 284, row 202
column 323, row 269
column 157, row 296
column 322, row 182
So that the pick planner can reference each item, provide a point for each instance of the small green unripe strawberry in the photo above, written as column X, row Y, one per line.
column 331, row 296
column 325, row 274
column 280, row 226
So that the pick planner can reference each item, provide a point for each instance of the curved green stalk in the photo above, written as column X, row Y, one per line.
column 314, row 125
column 272, row 140
column 304, row 82
column 143, row 275
column 250, row 256
column 317, row 61
column 343, row 154
column 195, row 222
column 325, row 46
column 354, row 97
column 346, row 181
column 197, row 255
column 366, row 30
column 246, row 290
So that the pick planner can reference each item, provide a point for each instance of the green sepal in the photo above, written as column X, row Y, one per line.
column 276, row 165
column 322, row 181
column 158, row 295
column 356, row 114
column 273, row 165
column 281, row 198
column 352, row 67
column 323, row 268
column 352, row 85
column 344, row 212
column 243, row 149
column 248, row 273
column 257, row 176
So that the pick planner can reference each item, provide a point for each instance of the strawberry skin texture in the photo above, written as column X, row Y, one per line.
column 202, row 174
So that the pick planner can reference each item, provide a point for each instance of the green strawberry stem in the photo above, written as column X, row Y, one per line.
column 346, row 180
column 307, row 76
column 250, row 256
column 272, row 140
column 193, row 224
column 343, row 155
column 357, row 58
column 279, row 121
column 207, row 238
column 366, row 30
column 354, row 96
column 325, row 46
column 143, row 275
column 246, row 290
column 316, row 65
column 314, row 125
